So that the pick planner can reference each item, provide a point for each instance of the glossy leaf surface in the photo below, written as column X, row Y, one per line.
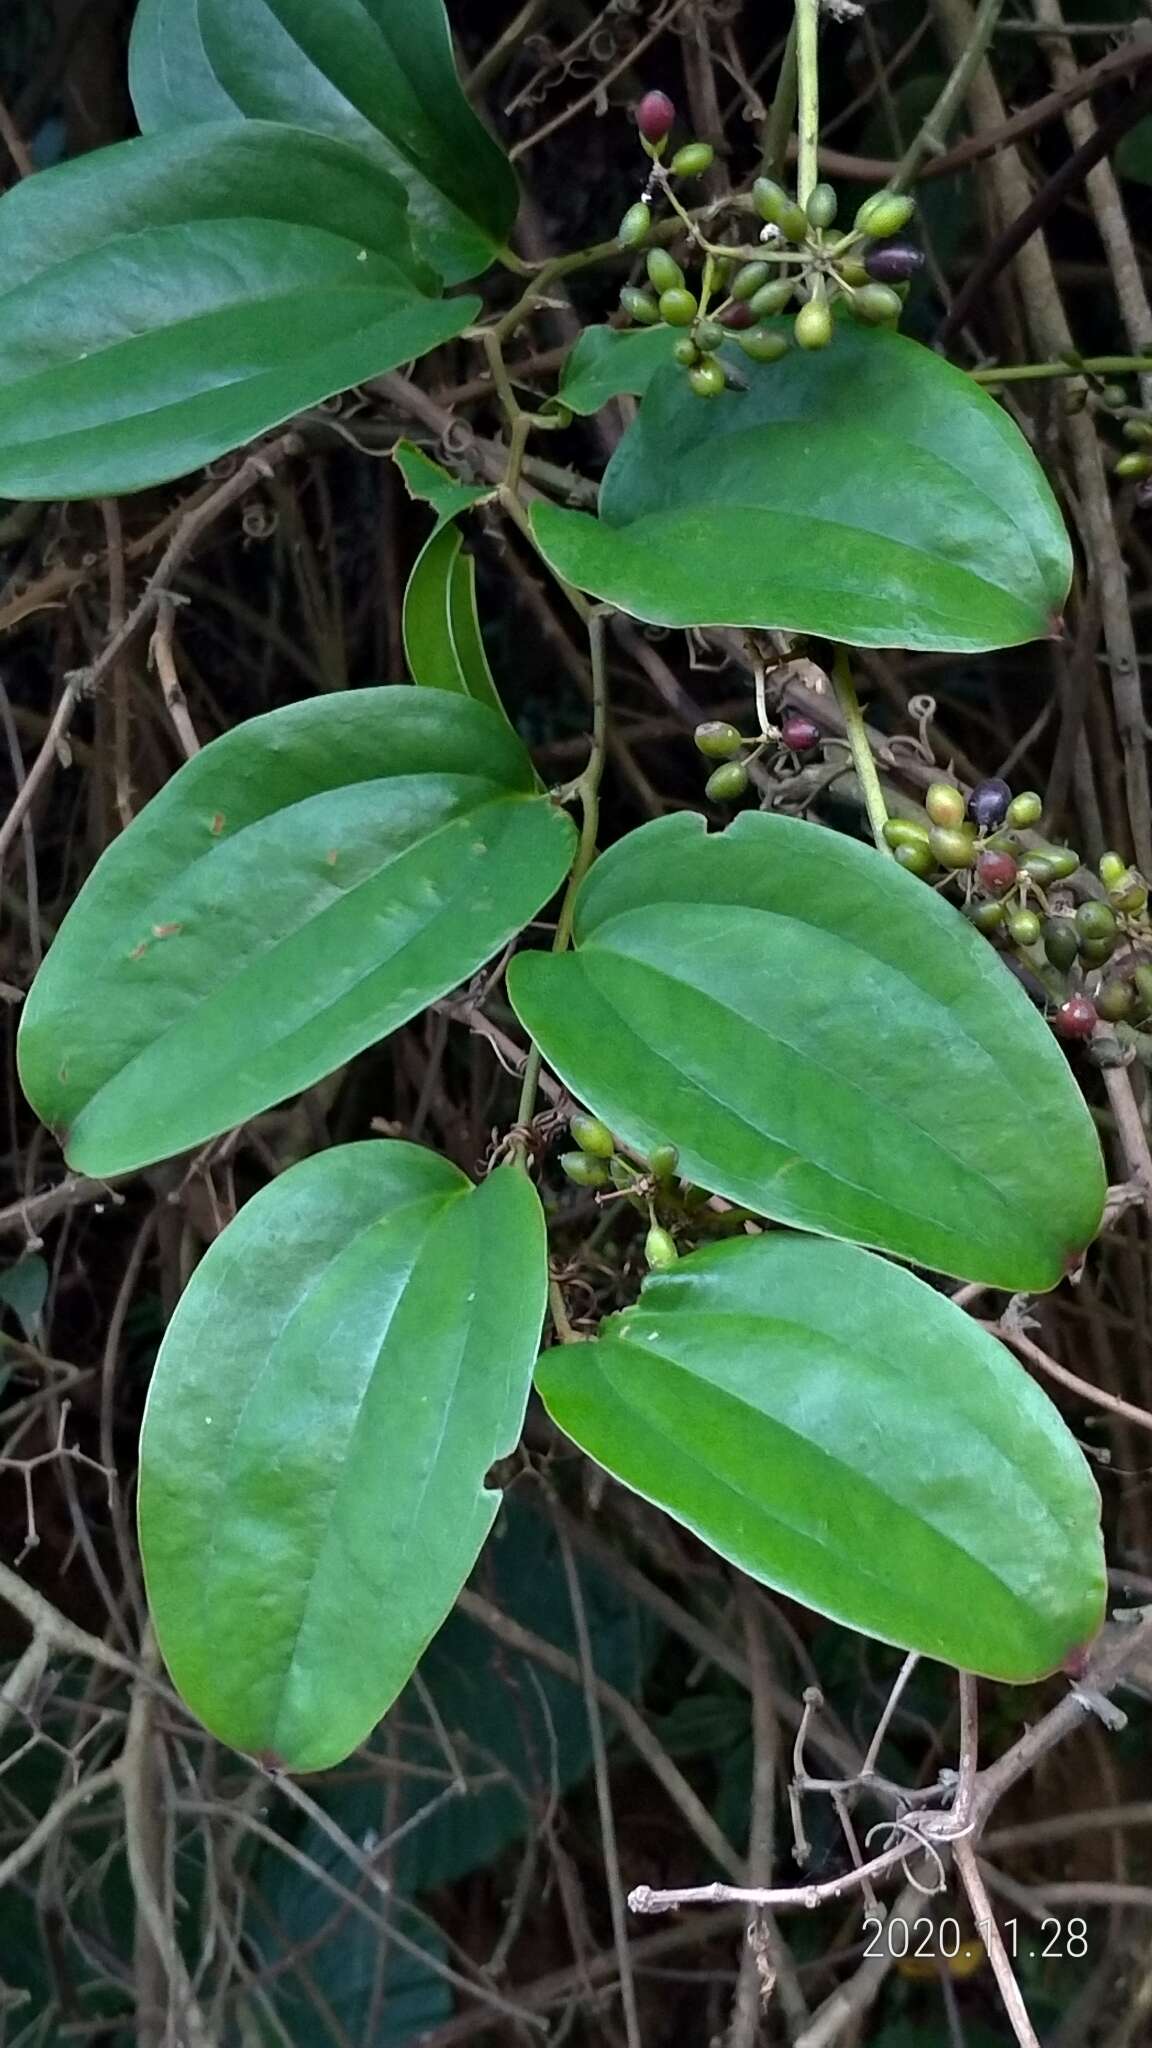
column 167, row 300
column 826, row 1041
column 378, row 74
column 441, row 630
column 868, row 491
column 346, row 1363
column 303, row 886
column 431, row 484
column 837, row 1429
column 605, row 361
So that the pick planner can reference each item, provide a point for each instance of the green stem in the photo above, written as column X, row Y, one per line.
column 932, row 134
column 778, row 126
column 857, row 737
column 808, row 85
column 1093, row 366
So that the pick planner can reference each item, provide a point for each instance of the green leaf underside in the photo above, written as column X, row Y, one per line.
column 433, row 485
column 837, row 1429
column 868, row 492
column 345, row 1365
column 377, row 74
column 441, row 631
column 604, row 362
column 781, row 1003
column 169, row 299
column 296, row 892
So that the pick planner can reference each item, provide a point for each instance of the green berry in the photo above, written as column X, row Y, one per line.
column 727, row 783
column 770, row 200
column 1133, row 898
column 1115, row 1000
column 1112, row 869
column 640, row 306
column 953, row 845
column 1095, row 920
column 1142, row 985
column 685, row 351
column 592, row 1136
column 664, row 273
column 660, row 1249
column 763, row 347
column 665, row 1162
column 905, row 832
column 793, row 223
column 853, row 271
column 693, row 160
column 1025, row 809
column 875, row 303
column 987, row 917
column 1137, row 430
column 1061, row 942
column 917, row 859
column 1062, row 861
column 885, row 213
column 583, row 1170
column 1024, row 926
column 678, row 307
column 717, row 740
column 773, row 297
column 1094, row 952
column 1113, row 396
column 748, row 280
column 707, row 379
column 634, row 227
column 1134, row 465
column 813, row 324
column 821, row 206
column 708, row 335
column 945, row 804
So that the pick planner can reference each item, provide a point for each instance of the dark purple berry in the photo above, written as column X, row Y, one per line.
column 988, row 804
column 800, row 734
column 1076, row 1018
column 738, row 314
column 893, row 262
column 654, row 116
column 996, row 872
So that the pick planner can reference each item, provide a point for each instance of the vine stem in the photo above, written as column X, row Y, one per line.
column 808, row 91
column 857, row 737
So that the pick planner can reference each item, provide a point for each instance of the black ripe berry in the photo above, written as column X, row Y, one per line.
column 1076, row 1018
column 988, row 804
column 893, row 262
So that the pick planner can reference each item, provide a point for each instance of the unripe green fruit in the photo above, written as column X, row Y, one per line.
column 1134, row 465
column 905, row 832
column 1094, row 952
column 1062, row 861
column 717, row 740
column 1115, row 1000
column 885, row 213
column 725, row 784
column 1142, row 985
column 1025, row 809
column 1113, row 396
column 685, row 351
column 707, row 379
column 584, row 1171
column 1137, row 430
column 660, row 1249
column 1112, row 868
column 592, row 1136
column 875, row 303
column 772, row 298
column 853, row 271
column 917, row 859
column 813, row 324
column 1061, row 942
column 793, row 223
column 1133, row 897
column 640, row 306
column 708, row 334
column 1096, row 920
column 634, row 227
column 694, row 159
column 769, row 199
column 822, row 205
column 1024, row 926
column 763, row 347
column 945, row 804
column 987, row 917
column 748, row 280
column 953, row 845
column 678, row 307
column 664, row 273
column 665, row 1162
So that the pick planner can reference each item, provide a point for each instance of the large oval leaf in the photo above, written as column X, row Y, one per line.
column 868, row 491
column 840, row 1431
column 442, row 637
column 346, row 1363
column 373, row 72
column 826, row 1040
column 167, row 300
column 298, row 890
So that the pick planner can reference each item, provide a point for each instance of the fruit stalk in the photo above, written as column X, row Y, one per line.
column 808, row 91
column 857, row 737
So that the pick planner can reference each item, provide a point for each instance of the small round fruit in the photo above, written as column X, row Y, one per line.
column 640, row 306
column 1095, row 952
column 1112, row 868
column 660, row 1249
column 707, row 379
column 770, row 200
column 1095, row 920
column 1076, row 1018
column 1133, row 465
column 988, row 803
column 996, row 872
column 852, row 271
column 1137, row 430
column 1113, row 396
column 884, row 214
column 905, row 832
column 800, row 734
column 1115, row 1000
column 685, row 351
column 822, row 205
column 708, row 335
column 727, row 783
column 693, row 160
column 678, row 307
column 793, row 222
column 1025, row 809
column 952, row 845
column 893, row 262
column 1132, row 898
column 665, row 1162
column 944, row 804
column 762, row 347
column 583, row 1170
column 773, row 297
column 1024, row 926
column 664, row 273
column 1061, row 942
column 1142, row 985
column 592, row 1136
column 634, row 227
column 1062, row 861
column 717, row 740
column 813, row 324
column 874, row 304
column 748, row 280
column 916, row 859
column 654, row 116
column 987, row 917
column 736, row 316
column 1039, row 867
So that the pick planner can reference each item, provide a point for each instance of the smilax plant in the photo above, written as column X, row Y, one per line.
column 796, row 1062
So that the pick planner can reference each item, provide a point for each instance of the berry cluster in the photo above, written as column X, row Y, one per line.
column 805, row 267
column 1137, row 463
column 719, row 741
column 597, row 1164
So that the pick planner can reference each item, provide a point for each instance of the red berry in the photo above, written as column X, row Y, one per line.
column 996, row 872
column 654, row 116
column 800, row 734
column 738, row 314
column 1076, row 1018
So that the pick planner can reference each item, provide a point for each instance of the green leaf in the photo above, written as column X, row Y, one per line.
column 345, row 1365
column 24, row 1290
column 869, row 492
column 841, row 1432
column 826, row 1040
column 167, row 300
column 433, row 485
column 604, row 361
column 378, row 74
column 441, row 630
column 1133, row 155
column 303, row 886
